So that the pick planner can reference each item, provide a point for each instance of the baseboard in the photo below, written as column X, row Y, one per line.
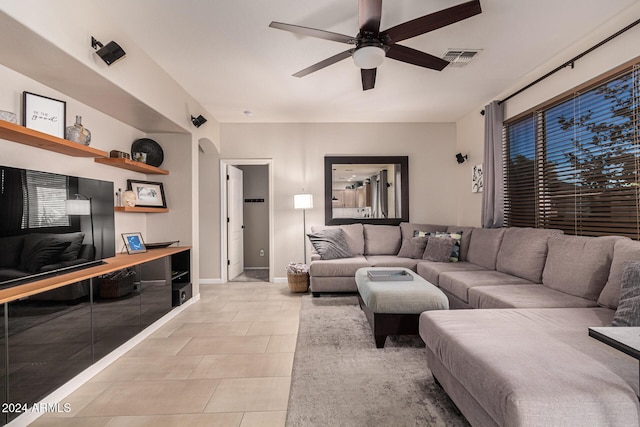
column 210, row 281
column 76, row 382
column 256, row 268
column 280, row 280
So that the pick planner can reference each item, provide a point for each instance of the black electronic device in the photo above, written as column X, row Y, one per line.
column 43, row 231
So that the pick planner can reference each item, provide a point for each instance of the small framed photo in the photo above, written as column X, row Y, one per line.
column 148, row 194
column 44, row 114
column 134, row 243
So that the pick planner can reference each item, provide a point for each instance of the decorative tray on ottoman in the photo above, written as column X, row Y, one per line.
column 389, row 275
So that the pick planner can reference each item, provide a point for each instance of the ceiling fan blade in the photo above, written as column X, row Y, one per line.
column 369, row 14
column 433, row 21
column 320, row 65
column 312, row 32
column 415, row 57
column 368, row 78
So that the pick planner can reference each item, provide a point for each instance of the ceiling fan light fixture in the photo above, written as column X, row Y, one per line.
column 368, row 57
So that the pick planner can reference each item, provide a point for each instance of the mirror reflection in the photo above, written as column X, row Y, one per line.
column 371, row 189
column 365, row 191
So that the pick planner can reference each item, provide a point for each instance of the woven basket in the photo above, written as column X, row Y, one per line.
column 298, row 282
column 117, row 284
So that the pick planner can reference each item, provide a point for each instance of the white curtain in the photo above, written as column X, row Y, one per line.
column 493, row 194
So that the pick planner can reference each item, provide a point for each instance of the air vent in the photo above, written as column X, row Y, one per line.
column 460, row 57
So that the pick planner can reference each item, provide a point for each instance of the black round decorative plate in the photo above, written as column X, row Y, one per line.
column 155, row 155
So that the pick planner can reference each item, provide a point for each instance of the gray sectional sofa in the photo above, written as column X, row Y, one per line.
column 518, row 353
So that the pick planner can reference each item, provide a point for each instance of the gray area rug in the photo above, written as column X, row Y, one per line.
column 253, row 275
column 340, row 378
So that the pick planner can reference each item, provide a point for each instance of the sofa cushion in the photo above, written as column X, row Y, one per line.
column 458, row 283
column 381, row 239
column 430, row 271
column 628, row 312
column 523, row 252
column 439, row 248
column 330, row 243
column 408, row 229
column 10, row 251
column 484, row 246
column 579, row 265
column 38, row 252
column 526, row 296
column 623, row 250
column 353, row 234
column 535, row 367
column 413, row 247
column 392, row 261
column 342, row 267
column 465, row 232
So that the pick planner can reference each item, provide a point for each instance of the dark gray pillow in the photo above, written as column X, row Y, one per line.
column 413, row 247
column 439, row 248
column 628, row 312
column 43, row 252
column 11, row 251
column 330, row 243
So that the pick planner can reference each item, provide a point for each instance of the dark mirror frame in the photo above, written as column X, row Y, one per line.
column 329, row 161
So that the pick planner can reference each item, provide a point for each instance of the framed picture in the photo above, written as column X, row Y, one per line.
column 134, row 243
column 44, row 114
column 148, row 194
column 476, row 179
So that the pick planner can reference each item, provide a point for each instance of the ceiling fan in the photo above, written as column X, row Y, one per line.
column 373, row 45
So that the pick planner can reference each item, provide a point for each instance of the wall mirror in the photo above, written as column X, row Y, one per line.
column 366, row 189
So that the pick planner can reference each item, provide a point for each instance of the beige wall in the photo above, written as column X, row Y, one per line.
column 470, row 128
column 106, row 134
column 298, row 151
column 209, row 221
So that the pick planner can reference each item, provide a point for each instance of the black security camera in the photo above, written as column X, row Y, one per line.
column 460, row 158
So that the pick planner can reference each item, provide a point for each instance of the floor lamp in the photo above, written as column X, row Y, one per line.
column 82, row 207
column 304, row 202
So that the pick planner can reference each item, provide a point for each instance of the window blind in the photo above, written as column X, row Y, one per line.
column 574, row 165
column 45, row 201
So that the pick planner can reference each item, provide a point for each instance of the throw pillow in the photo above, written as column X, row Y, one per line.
column 330, row 243
column 75, row 244
column 455, row 251
column 10, row 251
column 44, row 252
column 413, row 247
column 439, row 248
column 628, row 312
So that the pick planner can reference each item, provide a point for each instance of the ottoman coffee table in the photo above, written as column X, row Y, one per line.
column 393, row 307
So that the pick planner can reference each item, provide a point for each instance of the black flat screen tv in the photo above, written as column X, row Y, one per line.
column 43, row 234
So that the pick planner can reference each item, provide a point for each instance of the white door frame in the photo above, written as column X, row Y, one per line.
column 223, row 210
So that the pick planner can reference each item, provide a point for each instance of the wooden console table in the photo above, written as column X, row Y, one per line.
column 118, row 262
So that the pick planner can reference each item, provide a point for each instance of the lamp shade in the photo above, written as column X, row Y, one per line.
column 303, row 201
column 78, row 207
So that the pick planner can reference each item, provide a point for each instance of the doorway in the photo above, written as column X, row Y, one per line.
column 247, row 220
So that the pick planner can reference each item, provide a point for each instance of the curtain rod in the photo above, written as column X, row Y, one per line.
column 572, row 61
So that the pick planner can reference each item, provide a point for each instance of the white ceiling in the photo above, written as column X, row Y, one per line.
column 226, row 56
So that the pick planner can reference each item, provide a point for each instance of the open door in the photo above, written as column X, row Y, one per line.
column 235, row 223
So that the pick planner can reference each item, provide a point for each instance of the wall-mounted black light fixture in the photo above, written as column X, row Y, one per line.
column 198, row 121
column 109, row 53
column 460, row 158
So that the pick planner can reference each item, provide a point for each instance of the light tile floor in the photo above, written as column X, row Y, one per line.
column 224, row 361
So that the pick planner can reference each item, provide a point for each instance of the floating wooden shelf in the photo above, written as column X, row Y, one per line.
column 34, row 138
column 132, row 165
column 140, row 209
